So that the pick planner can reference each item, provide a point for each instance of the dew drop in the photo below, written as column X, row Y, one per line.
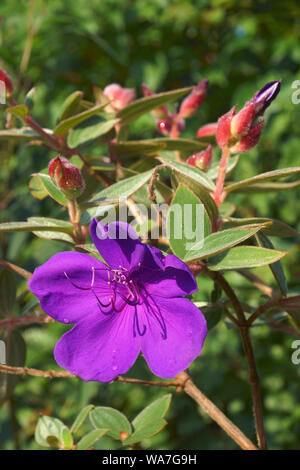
column 114, row 367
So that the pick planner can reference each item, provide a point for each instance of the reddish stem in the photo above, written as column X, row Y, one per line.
column 219, row 193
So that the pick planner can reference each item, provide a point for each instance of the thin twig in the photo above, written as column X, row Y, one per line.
column 16, row 269
column 215, row 413
column 271, row 303
column 182, row 381
column 247, row 345
column 284, row 328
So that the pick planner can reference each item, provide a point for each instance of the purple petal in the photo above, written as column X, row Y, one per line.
column 57, row 293
column 97, row 349
column 174, row 280
column 264, row 97
column 185, row 331
column 117, row 243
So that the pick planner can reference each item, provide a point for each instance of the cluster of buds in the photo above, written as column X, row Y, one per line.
column 202, row 159
column 239, row 132
column 67, row 177
column 118, row 96
column 173, row 123
column 8, row 85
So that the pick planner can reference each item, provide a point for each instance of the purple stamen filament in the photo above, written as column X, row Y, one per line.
column 127, row 289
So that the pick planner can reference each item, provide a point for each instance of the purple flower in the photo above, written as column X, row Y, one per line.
column 133, row 303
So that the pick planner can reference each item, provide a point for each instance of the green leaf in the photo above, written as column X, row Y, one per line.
column 114, row 193
column 90, row 130
column 154, row 427
column 24, row 133
column 104, row 417
column 38, row 224
column 141, row 147
column 150, row 421
column 70, row 105
column 47, row 429
column 14, row 351
column 152, row 146
column 21, row 110
column 36, row 188
column 213, row 315
column 269, row 176
column 67, row 439
column 244, row 257
column 89, row 439
column 143, row 105
column 81, row 417
column 227, row 209
column 193, row 175
column 266, row 187
column 30, row 98
column 73, row 121
column 186, row 222
column 204, row 196
column 51, row 189
column 276, row 228
column 8, row 292
column 276, row 268
column 152, row 412
column 221, row 241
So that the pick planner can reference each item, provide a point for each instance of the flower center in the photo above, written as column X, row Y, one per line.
column 122, row 286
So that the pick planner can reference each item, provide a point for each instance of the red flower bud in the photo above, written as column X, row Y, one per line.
column 208, row 129
column 248, row 141
column 7, row 83
column 119, row 97
column 223, row 133
column 202, row 159
column 191, row 103
column 164, row 126
column 242, row 121
column 66, row 176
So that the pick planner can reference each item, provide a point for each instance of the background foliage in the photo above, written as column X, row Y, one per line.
column 239, row 45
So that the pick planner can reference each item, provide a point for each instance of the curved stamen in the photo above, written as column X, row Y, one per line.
column 136, row 325
column 79, row 287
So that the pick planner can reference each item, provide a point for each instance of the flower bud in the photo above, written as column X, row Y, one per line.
column 159, row 113
column 248, row 141
column 191, row 103
column 242, row 121
column 240, row 132
column 119, row 97
column 66, row 176
column 264, row 97
column 164, row 126
column 208, row 129
column 202, row 159
column 7, row 83
column 223, row 132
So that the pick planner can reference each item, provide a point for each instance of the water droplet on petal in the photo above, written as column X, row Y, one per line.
column 115, row 367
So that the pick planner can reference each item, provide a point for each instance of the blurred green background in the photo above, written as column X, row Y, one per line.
column 239, row 45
